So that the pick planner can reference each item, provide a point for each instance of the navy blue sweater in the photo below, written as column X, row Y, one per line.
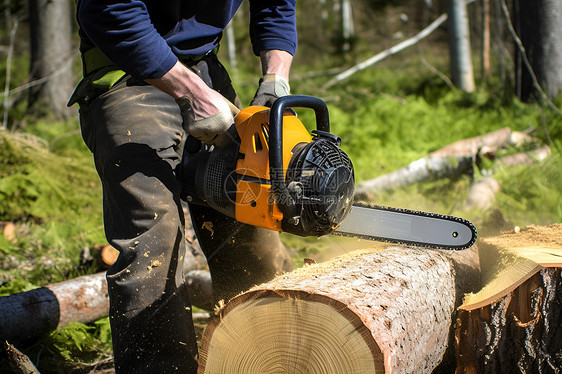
column 146, row 37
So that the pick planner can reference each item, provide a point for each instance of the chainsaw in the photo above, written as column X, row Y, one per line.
column 277, row 175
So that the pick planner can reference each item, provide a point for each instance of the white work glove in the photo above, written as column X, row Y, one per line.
column 211, row 130
column 271, row 87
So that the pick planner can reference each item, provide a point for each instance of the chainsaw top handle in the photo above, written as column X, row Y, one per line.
column 285, row 201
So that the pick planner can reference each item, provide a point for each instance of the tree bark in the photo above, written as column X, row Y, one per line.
column 513, row 323
column 51, row 56
column 367, row 312
column 521, row 333
column 459, row 46
column 348, row 29
column 19, row 363
column 540, row 30
column 485, row 48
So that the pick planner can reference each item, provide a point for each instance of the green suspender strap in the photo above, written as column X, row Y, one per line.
column 100, row 74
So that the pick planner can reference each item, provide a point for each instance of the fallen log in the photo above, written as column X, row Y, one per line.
column 513, row 324
column 483, row 144
column 366, row 312
column 482, row 194
column 421, row 170
column 389, row 52
column 452, row 161
column 26, row 316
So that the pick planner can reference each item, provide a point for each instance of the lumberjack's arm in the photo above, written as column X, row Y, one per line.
column 182, row 82
column 276, row 65
column 276, row 62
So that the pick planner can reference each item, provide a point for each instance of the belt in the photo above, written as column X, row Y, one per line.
column 94, row 59
column 103, row 72
column 100, row 74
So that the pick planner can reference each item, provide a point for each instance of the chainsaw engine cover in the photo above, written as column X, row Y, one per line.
column 274, row 174
column 321, row 181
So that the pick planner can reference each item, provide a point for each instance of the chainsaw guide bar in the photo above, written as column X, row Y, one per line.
column 409, row 227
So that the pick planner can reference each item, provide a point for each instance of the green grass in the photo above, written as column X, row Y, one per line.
column 50, row 190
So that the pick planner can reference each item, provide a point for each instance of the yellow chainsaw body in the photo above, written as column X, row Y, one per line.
column 255, row 199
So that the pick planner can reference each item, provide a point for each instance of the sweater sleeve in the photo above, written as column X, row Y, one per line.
column 273, row 25
column 125, row 34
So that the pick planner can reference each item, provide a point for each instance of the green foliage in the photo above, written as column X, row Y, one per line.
column 533, row 195
column 15, row 286
column 72, row 347
column 50, row 190
column 40, row 184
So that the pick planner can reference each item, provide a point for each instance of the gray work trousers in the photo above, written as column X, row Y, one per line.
column 135, row 133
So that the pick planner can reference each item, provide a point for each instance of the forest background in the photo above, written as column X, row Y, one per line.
column 489, row 65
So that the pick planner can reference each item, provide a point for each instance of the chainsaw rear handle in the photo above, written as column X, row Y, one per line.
column 285, row 201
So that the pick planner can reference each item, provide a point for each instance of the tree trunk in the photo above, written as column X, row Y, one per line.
column 459, row 46
column 540, row 30
column 26, row 316
column 513, row 324
column 485, row 48
column 51, row 57
column 348, row 30
column 231, row 45
column 366, row 312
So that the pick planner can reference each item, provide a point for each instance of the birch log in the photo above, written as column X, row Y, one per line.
column 450, row 161
column 367, row 312
column 26, row 316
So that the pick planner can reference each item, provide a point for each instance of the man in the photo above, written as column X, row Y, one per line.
column 151, row 76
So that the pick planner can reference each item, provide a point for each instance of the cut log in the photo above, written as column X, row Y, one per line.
column 366, row 312
column 510, row 259
column 482, row 194
column 26, row 316
column 513, row 324
column 9, row 231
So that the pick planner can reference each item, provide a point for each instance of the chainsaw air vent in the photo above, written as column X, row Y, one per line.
column 214, row 184
column 257, row 143
column 325, row 174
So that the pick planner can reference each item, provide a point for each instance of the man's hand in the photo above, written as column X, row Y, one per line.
column 274, row 83
column 271, row 87
column 206, row 114
column 210, row 130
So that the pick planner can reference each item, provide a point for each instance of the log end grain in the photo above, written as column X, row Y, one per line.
column 288, row 331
